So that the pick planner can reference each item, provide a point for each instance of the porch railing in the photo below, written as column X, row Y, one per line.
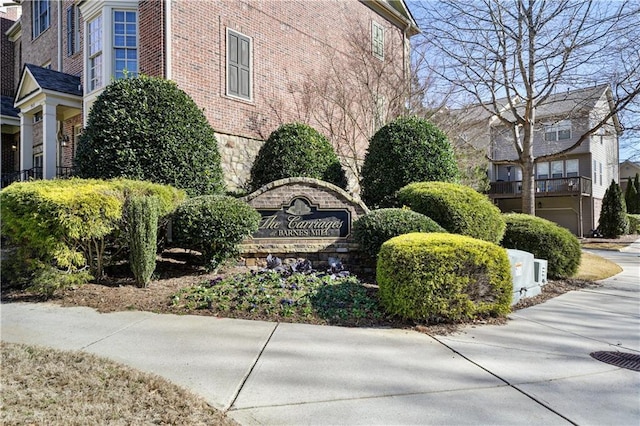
column 543, row 187
column 34, row 173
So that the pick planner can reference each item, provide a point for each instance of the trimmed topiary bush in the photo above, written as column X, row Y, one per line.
column 631, row 197
column 546, row 240
column 613, row 217
column 373, row 229
column 457, row 208
column 296, row 150
column 141, row 217
column 406, row 150
column 440, row 277
column 146, row 128
column 214, row 226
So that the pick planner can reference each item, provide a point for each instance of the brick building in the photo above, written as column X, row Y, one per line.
column 244, row 63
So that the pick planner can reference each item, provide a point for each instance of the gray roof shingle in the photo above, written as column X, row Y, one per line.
column 54, row 80
column 7, row 107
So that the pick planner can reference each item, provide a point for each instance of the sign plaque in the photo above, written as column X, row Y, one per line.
column 301, row 219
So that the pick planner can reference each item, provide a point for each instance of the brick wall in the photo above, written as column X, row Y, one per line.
column 72, row 64
column 151, row 42
column 292, row 40
column 44, row 48
column 7, row 54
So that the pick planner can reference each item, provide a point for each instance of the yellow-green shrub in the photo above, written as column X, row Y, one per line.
column 64, row 223
column 457, row 208
column 438, row 277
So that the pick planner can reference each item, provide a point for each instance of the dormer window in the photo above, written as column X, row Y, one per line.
column 558, row 131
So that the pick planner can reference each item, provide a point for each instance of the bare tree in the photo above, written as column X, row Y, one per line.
column 355, row 95
column 508, row 57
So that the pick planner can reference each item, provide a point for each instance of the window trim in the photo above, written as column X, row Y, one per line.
column 99, row 53
column 552, row 132
column 115, row 47
column 229, row 64
column 37, row 13
column 377, row 44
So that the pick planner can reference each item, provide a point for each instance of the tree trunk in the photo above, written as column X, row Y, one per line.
column 528, row 173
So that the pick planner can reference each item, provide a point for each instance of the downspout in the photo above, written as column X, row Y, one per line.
column 167, row 40
column 59, row 5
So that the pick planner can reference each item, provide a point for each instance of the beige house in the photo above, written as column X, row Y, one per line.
column 569, row 187
column 628, row 169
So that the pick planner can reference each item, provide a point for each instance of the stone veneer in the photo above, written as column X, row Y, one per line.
column 318, row 250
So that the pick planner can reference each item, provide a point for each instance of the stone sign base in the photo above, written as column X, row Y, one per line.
column 305, row 218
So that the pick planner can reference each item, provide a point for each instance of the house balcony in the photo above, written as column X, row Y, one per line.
column 32, row 174
column 555, row 187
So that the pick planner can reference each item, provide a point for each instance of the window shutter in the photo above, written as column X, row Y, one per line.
column 70, row 31
column 239, row 65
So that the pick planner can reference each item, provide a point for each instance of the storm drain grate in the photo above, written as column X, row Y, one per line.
column 619, row 359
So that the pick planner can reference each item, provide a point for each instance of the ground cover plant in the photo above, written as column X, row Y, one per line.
column 290, row 292
column 50, row 387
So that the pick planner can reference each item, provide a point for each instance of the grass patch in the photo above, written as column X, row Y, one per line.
column 291, row 294
column 46, row 386
column 593, row 268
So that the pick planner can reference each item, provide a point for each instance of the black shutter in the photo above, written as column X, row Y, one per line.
column 70, row 32
column 239, row 65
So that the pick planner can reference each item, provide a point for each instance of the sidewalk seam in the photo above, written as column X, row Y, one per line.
column 255, row 362
column 505, row 381
column 113, row 334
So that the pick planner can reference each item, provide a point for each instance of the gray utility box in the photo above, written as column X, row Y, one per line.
column 523, row 274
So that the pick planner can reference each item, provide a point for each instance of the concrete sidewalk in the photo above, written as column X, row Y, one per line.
column 534, row 370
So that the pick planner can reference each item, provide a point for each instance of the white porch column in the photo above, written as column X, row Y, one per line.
column 26, row 141
column 49, row 141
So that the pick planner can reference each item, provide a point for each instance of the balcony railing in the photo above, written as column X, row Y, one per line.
column 33, row 174
column 543, row 187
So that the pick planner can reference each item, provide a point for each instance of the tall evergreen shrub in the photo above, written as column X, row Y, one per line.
column 631, row 197
column 613, row 216
column 409, row 149
column 141, row 215
column 147, row 128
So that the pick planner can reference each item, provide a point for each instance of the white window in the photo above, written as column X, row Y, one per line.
column 377, row 40
column 557, row 169
column 125, row 43
column 41, row 16
column 239, row 57
column 600, row 174
column 542, row 170
column 73, row 30
column 595, row 172
column 94, row 53
column 558, row 131
column 572, row 168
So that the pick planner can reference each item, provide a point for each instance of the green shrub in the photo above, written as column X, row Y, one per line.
column 613, row 217
column 457, row 208
column 66, row 223
column 443, row 277
column 634, row 223
column 631, row 197
column 214, row 226
column 545, row 240
column 141, row 216
column 146, row 128
column 406, row 150
column 296, row 150
column 373, row 229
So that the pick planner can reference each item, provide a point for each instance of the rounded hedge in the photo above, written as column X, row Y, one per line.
column 440, row 277
column 213, row 225
column 457, row 208
column 296, row 150
column 146, row 128
column 546, row 240
column 376, row 227
column 406, row 150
